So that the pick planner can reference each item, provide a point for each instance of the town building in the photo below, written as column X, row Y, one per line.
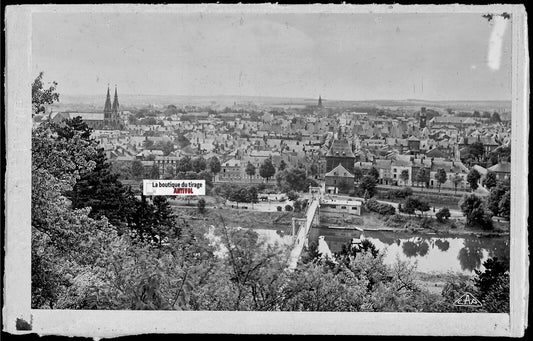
column 340, row 153
column 340, row 208
column 502, row 170
column 338, row 180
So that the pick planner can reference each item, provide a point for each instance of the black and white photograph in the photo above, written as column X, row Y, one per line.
column 273, row 159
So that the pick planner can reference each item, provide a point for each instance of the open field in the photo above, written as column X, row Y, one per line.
column 237, row 217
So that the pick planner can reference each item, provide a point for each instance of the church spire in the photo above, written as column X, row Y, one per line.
column 115, row 101
column 320, row 101
column 107, row 106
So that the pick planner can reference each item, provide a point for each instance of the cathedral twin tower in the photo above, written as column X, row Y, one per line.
column 111, row 116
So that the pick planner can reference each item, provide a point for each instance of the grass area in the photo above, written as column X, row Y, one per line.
column 238, row 217
column 432, row 199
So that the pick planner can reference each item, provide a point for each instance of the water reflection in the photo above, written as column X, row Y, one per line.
column 413, row 248
column 432, row 254
column 470, row 255
column 443, row 245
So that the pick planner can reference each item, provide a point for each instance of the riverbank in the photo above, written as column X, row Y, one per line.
column 371, row 221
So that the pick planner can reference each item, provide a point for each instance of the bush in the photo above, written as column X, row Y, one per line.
column 396, row 220
column 443, row 213
column 279, row 208
column 375, row 206
column 292, row 195
column 399, row 193
column 288, row 208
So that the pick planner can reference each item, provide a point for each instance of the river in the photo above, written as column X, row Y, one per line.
column 462, row 254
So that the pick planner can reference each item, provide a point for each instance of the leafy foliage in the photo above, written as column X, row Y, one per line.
column 474, row 210
column 293, row 179
column 368, row 185
column 441, row 177
column 41, row 97
column 443, row 213
column 473, row 179
column 381, row 208
column 267, row 170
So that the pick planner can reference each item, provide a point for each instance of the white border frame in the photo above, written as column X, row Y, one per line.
column 17, row 293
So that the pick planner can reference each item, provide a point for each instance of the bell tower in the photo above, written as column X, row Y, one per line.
column 107, row 107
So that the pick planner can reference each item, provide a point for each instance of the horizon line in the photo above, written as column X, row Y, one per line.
column 300, row 98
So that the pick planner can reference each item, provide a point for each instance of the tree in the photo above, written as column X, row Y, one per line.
column 282, row 165
column 443, row 213
column 293, row 179
column 61, row 235
column 457, row 179
column 41, row 97
column 474, row 211
column 292, row 195
column 314, row 169
column 137, row 169
column 404, row 176
column 201, row 205
column 422, row 176
column 250, row 170
column 504, row 206
column 374, row 173
column 496, row 195
column 214, row 165
column 368, row 185
column 267, row 170
column 344, row 186
column 184, row 165
column 441, row 177
column 423, row 206
column 358, row 174
column 473, row 179
column 198, row 164
column 490, row 180
column 495, row 118
column 71, row 126
column 298, row 205
column 477, row 150
column 492, row 285
column 410, row 205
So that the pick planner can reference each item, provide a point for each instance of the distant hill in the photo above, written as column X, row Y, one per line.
column 96, row 103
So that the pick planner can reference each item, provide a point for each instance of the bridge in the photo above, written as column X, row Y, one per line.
column 300, row 237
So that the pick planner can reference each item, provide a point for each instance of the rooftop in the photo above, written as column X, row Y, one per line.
column 340, row 148
column 339, row 171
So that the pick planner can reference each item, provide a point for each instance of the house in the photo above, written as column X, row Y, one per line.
column 231, row 170
column 339, row 179
column 384, row 169
column 453, row 169
column 398, row 166
column 502, row 170
column 340, row 152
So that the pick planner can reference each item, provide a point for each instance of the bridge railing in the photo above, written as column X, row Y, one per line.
column 301, row 236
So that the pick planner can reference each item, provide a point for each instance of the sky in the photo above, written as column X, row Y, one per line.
column 338, row 56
